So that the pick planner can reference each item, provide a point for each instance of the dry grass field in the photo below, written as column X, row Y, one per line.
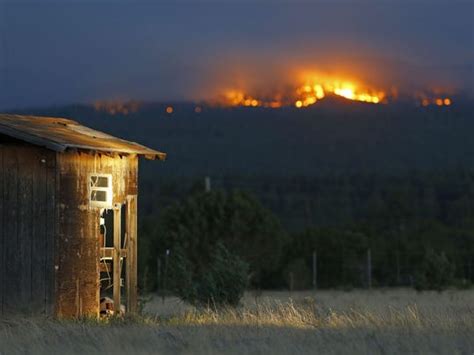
column 326, row 322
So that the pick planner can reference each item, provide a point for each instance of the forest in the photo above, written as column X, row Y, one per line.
column 401, row 221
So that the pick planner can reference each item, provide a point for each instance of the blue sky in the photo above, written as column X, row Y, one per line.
column 55, row 52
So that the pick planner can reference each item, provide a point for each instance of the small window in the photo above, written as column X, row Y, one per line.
column 99, row 181
column 100, row 190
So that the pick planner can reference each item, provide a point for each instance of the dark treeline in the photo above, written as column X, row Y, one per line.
column 334, row 136
column 348, row 224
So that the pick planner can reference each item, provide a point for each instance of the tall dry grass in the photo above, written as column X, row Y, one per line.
column 329, row 322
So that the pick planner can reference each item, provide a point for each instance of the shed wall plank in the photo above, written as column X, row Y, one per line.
column 26, row 166
column 12, row 262
column 2, row 242
column 51, row 228
column 26, row 263
column 39, row 240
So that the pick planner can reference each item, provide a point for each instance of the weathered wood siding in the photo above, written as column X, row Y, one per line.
column 77, row 278
column 27, row 228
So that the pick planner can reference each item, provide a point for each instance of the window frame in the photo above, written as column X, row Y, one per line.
column 108, row 203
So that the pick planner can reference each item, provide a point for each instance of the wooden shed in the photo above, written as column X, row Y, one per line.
column 68, row 217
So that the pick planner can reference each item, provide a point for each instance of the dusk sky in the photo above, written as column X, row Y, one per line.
column 80, row 51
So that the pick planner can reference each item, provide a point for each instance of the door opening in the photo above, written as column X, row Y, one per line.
column 113, row 257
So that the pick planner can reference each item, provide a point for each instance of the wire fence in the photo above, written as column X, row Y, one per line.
column 298, row 205
column 365, row 271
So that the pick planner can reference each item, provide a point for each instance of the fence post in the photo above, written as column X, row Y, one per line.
column 158, row 275
column 315, row 270
column 398, row 268
column 207, row 184
column 369, row 268
column 165, row 277
column 469, row 270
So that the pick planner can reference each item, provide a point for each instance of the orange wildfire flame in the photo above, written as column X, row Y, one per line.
column 316, row 88
column 308, row 92
column 305, row 95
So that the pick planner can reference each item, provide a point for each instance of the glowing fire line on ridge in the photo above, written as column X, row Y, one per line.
column 316, row 89
column 306, row 95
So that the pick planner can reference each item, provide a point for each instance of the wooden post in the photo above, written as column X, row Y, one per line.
column 469, row 270
column 165, row 277
column 116, row 257
column 315, row 270
column 129, row 259
column 158, row 275
column 78, row 296
column 132, row 296
column 369, row 268
column 126, row 259
column 398, row 267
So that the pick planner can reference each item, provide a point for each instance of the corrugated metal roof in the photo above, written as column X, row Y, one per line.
column 60, row 134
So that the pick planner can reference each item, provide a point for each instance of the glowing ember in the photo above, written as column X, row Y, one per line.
column 273, row 104
column 169, row 109
column 426, row 100
column 238, row 98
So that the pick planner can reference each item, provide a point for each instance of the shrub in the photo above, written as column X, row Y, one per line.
column 221, row 282
column 235, row 219
column 435, row 272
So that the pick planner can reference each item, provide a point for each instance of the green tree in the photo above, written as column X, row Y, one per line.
column 435, row 272
column 236, row 219
column 221, row 282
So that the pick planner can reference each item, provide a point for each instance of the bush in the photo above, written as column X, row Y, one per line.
column 435, row 272
column 221, row 282
column 237, row 220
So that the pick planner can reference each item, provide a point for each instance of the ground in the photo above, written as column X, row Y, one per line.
column 327, row 322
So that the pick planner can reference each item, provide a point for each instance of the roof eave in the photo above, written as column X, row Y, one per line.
column 155, row 156
column 58, row 147
column 35, row 140
column 148, row 154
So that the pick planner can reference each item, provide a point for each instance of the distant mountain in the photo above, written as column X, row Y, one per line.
column 333, row 136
